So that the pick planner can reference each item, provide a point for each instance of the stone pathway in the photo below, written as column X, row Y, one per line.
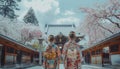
column 62, row 67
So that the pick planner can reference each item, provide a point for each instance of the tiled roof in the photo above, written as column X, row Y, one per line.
column 105, row 40
column 17, row 42
column 55, row 29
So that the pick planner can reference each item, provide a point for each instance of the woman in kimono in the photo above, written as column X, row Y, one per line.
column 52, row 55
column 71, row 53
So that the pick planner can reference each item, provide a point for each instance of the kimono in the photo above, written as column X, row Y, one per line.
column 52, row 56
column 71, row 55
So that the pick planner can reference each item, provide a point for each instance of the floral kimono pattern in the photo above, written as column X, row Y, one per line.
column 71, row 53
column 51, row 55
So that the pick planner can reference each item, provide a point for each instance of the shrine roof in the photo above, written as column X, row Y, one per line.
column 111, row 38
column 55, row 29
column 16, row 42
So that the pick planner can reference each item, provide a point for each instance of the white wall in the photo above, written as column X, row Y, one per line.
column 115, row 59
column 96, row 59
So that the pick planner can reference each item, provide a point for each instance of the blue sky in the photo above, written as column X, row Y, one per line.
column 57, row 11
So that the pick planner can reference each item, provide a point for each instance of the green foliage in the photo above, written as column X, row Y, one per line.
column 8, row 7
column 30, row 17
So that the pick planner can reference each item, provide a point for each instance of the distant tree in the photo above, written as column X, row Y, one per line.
column 30, row 32
column 30, row 17
column 7, row 8
column 10, row 28
column 102, row 20
column 20, row 31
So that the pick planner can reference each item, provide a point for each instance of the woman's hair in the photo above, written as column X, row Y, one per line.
column 72, row 34
column 51, row 38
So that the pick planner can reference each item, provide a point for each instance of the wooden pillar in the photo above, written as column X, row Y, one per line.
column 85, row 56
column 102, row 58
column 90, row 57
column 3, row 56
column 119, row 47
column 110, row 56
column 1, row 46
column 0, row 54
column 32, row 58
column 19, row 57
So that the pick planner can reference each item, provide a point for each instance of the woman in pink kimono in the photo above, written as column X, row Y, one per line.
column 71, row 53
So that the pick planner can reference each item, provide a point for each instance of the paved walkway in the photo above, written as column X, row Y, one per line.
column 62, row 67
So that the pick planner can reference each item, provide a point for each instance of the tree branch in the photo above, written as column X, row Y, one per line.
column 117, row 24
column 117, row 16
column 105, row 28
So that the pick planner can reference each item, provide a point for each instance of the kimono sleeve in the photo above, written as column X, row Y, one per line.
column 79, row 56
column 44, row 54
column 64, row 51
column 58, row 52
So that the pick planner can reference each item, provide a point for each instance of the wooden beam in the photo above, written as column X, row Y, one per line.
column 14, row 45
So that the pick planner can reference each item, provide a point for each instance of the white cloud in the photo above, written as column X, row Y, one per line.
column 45, row 10
column 68, row 12
column 57, row 11
column 68, row 20
column 41, row 5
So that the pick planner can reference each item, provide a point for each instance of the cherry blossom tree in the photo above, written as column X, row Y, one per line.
column 10, row 28
column 30, row 35
column 19, row 31
column 30, row 32
column 101, row 21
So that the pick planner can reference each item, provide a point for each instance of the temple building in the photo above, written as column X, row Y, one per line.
column 105, row 52
column 61, row 33
column 55, row 29
column 14, row 53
